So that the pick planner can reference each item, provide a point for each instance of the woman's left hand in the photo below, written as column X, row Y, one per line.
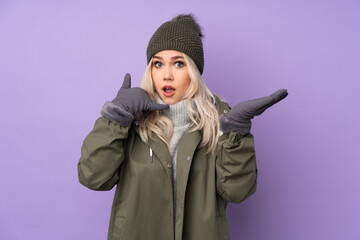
column 238, row 119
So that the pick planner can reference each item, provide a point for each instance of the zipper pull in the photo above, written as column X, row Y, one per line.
column 151, row 159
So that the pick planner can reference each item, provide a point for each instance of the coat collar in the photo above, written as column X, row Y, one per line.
column 186, row 148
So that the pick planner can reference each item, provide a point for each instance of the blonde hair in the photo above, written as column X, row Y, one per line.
column 202, row 112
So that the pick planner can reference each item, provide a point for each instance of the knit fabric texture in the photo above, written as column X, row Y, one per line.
column 182, row 34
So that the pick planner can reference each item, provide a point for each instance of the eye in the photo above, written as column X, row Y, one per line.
column 179, row 64
column 157, row 64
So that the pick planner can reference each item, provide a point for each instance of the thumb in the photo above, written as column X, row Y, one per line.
column 263, row 103
column 127, row 81
column 279, row 95
column 159, row 107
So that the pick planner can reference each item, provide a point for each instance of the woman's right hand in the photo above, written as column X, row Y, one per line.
column 128, row 102
column 135, row 100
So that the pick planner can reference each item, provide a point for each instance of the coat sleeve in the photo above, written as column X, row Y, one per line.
column 102, row 153
column 236, row 169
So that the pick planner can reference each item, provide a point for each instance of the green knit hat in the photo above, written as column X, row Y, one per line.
column 182, row 34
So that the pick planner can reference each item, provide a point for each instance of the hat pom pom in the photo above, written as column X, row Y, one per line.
column 191, row 18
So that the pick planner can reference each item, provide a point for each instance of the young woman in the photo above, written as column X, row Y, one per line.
column 176, row 153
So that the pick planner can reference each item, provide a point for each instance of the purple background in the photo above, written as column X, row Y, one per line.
column 61, row 60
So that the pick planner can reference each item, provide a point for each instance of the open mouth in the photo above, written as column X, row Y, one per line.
column 168, row 91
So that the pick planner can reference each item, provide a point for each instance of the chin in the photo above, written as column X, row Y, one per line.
column 170, row 101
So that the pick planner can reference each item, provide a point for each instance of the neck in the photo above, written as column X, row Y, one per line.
column 177, row 112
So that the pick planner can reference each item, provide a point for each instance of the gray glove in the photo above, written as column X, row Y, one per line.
column 238, row 118
column 128, row 102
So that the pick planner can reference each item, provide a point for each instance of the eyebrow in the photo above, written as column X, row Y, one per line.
column 173, row 58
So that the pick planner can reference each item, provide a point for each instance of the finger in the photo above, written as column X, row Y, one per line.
column 159, row 107
column 279, row 95
column 273, row 99
column 257, row 106
column 127, row 81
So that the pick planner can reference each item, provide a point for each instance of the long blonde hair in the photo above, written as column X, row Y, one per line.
column 202, row 112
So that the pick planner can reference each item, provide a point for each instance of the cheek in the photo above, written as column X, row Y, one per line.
column 186, row 82
column 154, row 80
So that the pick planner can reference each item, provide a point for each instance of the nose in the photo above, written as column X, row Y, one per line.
column 168, row 75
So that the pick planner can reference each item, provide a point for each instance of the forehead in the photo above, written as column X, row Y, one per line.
column 168, row 54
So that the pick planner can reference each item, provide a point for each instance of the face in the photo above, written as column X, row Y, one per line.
column 170, row 75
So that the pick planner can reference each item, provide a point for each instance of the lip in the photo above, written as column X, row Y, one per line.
column 168, row 94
